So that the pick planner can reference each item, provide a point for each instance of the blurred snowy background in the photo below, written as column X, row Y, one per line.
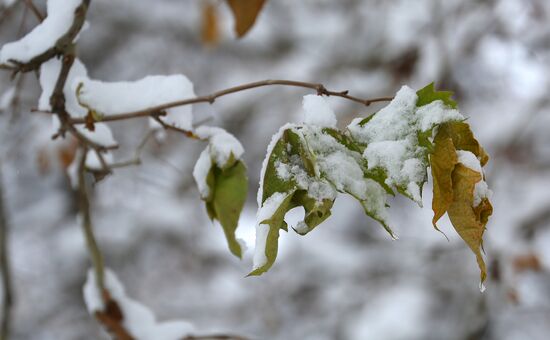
column 346, row 279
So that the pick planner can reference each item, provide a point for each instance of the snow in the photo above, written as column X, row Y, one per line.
column 7, row 98
column 49, row 73
column 391, row 138
column 138, row 319
column 45, row 35
column 94, row 163
column 468, row 159
column 481, row 190
column 267, row 210
column 436, row 113
column 110, row 98
column 318, row 112
column 200, row 173
column 222, row 145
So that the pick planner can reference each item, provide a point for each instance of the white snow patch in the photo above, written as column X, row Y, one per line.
column 222, row 145
column 318, row 112
column 391, row 138
column 200, row 172
column 45, row 35
column 7, row 98
column 481, row 190
column 110, row 98
column 49, row 73
column 138, row 319
column 469, row 160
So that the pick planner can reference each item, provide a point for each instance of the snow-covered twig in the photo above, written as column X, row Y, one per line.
column 157, row 110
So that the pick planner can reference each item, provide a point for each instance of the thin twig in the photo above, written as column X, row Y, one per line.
column 30, row 5
column 84, row 205
column 6, row 270
column 215, row 337
column 155, row 110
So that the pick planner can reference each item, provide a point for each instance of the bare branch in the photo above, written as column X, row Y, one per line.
column 6, row 270
column 30, row 5
column 156, row 110
column 84, row 205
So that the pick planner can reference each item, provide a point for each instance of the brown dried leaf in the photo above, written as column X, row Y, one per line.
column 469, row 222
column 210, row 29
column 245, row 13
column 442, row 161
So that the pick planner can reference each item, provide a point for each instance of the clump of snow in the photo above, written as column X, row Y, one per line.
column 7, row 98
column 391, row 138
column 49, row 72
column 435, row 113
column 222, row 144
column 266, row 211
column 481, row 190
column 109, row 98
column 468, row 159
column 200, row 172
column 45, row 35
column 138, row 319
column 318, row 112
column 94, row 163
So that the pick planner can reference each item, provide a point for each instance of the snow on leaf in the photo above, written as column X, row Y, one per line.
column 221, row 178
column 459, row 187
column 245, row 13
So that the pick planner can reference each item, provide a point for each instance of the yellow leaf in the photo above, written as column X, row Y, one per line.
column 469, row 222
column 442, row 161
column 245, row 13
column 210, row 30
column 463, row 139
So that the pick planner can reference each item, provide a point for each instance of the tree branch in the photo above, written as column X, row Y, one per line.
column 84, row 205
column 6, row 270
column 30, row 5
column 156, row 110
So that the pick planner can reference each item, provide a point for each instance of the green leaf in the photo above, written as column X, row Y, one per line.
column 429, row 94
column 228, row 190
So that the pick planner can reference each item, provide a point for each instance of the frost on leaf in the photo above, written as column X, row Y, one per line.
column 459, row 185
column 221, row 178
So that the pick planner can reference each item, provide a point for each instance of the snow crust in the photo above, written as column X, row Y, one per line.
column 110, row 98
column 318, row 112
column 138, row 319
column 45, row 35
column 391, row 138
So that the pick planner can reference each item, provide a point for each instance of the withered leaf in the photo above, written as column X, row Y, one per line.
column 469, row 222
column 245, row 13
